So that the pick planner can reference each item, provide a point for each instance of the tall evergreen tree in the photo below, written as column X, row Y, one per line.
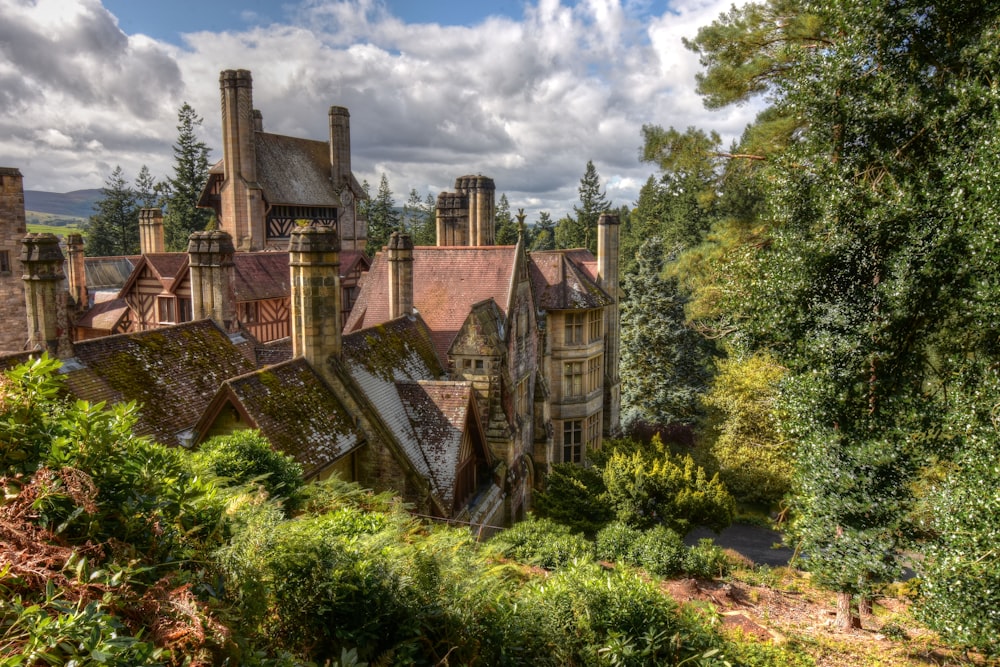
column 145, row 189
column 419, row 219
column 190, row 175
column 580, row 230
column 506, row 228
column 383, row 218
column 114, row 228
column 544, row 236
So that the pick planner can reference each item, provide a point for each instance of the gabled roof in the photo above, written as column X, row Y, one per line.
column 353, row 259
column 104, row 315
column 563, row 280
column 168, row 267
column 441, row 412
column 295, row 410
column 447, row 282
column 173, row 372
column 279, row 157
column 261, row 275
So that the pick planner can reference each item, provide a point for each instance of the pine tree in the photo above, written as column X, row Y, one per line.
column 383, row 218
column 114, row 228
column 580, row 231
column 506, row 229
column 145, row 189
column 544, row 237
column 190, row 175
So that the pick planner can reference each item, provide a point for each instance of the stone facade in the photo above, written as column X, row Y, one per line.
column 13, row 317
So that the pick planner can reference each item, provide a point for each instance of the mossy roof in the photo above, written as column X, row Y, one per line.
column 297, row 413
column 565, row 280
column 173, row 372
column 447, row 282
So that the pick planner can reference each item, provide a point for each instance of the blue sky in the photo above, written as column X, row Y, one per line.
column 524, row 91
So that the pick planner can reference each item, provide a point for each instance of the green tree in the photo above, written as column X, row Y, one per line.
column 146, row 189
column 419, row 218
column 383, row 218
column 580, row 230
column 184, row 188
column 544, row 237
column 506, row 228
column 246, row 456
column 114, row 228
column 665, row 365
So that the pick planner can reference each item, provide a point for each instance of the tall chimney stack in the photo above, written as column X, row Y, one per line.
column 314, row 266
column 77, row 271
column 45, row 294
column 607, row 277
column 400, row 275
column 150, row 230
column 242, row 206
column 213, row 278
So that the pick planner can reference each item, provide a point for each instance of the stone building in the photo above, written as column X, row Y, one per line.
column 13, row 327
column 251, row 189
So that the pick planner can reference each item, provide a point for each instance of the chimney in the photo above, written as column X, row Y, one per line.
column 314, row 265
column 400, row 275
column 258, row 120
column 213, row 278
column 482, row 210
column 45, row 294
column 607, row 278
column 242, row 206
column 77, row 272
column 150, row 230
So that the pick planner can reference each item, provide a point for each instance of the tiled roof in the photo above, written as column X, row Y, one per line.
column 297, row 413
column 447, row 281
column 280, row 157
column 172, row 372
column 352, row 259
column 439, row 413
column 273, row 352
column 379, row 357
column 104, row 315
column 261, row 275
column 168, row 265
column 560, row 280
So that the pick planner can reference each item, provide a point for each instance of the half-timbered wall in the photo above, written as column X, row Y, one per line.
column 267, row 319
column 281, row 220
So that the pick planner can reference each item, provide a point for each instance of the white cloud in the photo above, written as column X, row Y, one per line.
column 527, row 102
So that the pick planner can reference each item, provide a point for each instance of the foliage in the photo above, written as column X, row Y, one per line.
column 246, row 456
column 648, row 485
column 580, row 230
column 544, row 543
column 506, row 228
column 544, row 236
column 749, row 451
column 184, row 188
column 419, row 218
column 664, row 363
column 573, row 498
column 383, row 218
column 114, row 228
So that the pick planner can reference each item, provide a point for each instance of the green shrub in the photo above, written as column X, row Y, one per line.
column 619, row 542
column 706, row 560
column 544, row 543
column 661, row 552
column 246, row 456
column 574, row 497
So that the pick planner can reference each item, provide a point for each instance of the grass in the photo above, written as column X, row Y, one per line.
column 60, row 225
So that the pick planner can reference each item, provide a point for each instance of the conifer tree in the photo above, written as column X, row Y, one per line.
column 383, row 218
column 506, row 228
column 114, row 228
column 190, row 175
column 544, row 237
column 580, row 230
column 145, row 188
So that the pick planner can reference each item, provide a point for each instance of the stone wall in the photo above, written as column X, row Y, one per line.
column 13, row 316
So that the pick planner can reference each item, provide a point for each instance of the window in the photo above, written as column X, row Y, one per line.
column 596, row 324
column 572, row 378
column 595, row 370
column 574, row 328
column 249, row 312
column 4, row 261
column 183, row 310
column 474, row 366
column 165, row 307
column 573, row 441
column 593, row 429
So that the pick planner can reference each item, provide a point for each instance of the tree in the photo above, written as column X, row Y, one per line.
column 544, row 235
column 114, row 228
column 183, row 216
column 506, row 228
column 664, row 363
column 580, row 231
column 383, row 218
column 146, row 189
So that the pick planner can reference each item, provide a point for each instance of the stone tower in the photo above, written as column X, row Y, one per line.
column 242, row 203
column 213, row 278
column 314, row 266
column 400, row 260
column 607, row 277
column 467, row 217
column 45, row 294
column 13, row 322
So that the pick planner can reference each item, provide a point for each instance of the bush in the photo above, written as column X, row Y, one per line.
column 661, row 552
column 574, row 497
column 619, row 542
column 706, row 560
column 544, row 543
column 246, row 456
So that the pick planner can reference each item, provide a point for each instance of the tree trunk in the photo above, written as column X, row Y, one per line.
column 864, row 607
column 846, row 620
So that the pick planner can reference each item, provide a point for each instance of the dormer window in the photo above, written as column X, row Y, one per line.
column 166, row 309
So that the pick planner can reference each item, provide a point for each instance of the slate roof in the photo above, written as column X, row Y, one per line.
column 562, row 280
column 173, row 372
column 261, row 275
column 439, row 413
column 108, row 273
column 104, row 315
column 447, row 282
column 273, row 352
column 297, row 413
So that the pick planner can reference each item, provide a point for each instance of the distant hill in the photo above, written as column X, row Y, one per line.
column 76, row 204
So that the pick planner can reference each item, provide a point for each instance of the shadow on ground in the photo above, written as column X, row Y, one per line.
column 754, row 542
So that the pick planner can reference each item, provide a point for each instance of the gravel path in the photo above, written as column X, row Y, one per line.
column 754, row 542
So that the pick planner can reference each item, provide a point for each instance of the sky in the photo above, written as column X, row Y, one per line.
column 523, row 91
